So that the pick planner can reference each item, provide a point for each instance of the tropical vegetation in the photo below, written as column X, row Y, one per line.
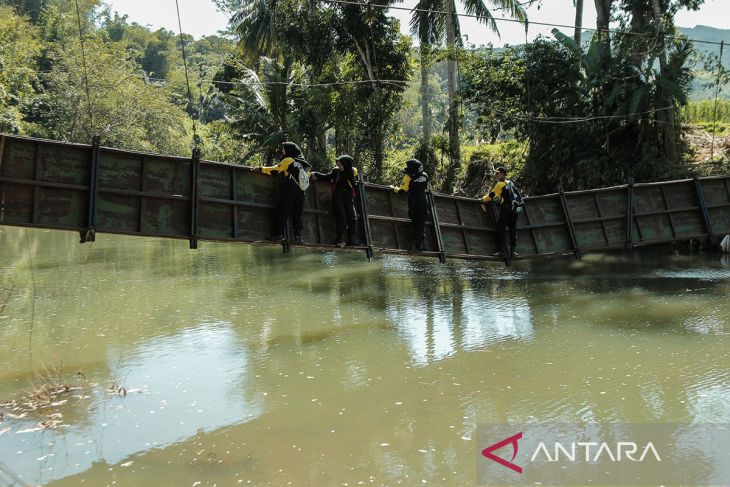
column 571, row 110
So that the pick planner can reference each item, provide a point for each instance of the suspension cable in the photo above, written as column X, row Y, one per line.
column 86, row 72
column 187, row 78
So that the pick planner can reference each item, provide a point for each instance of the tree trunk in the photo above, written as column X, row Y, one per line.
column 454, row 148
column 367, row 53
column 603, row 17
column 666, row 100
column 578, row 22
column 425, row 97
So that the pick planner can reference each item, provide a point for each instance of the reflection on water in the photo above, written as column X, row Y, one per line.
column 437, row 330
column 184, row 384
column 248, row 366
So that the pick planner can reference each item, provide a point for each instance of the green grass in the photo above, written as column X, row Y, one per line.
column 705, row 111
column 720, row 129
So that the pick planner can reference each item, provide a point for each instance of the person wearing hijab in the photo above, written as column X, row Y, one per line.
column 415, row 183
column 342, row 178
column 507, row 217
column 293, row 169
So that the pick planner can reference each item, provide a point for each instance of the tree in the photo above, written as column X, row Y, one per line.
column 122, row 108
column 255, row 24
column 313, row 39
column 19, row 50
column 383, row 53
column 578, row 21
column 481, row 9
column 260, row 108
column 428, row 27
column 588, row 124
column 159, row 54
column 29, row 8
column 603, row 18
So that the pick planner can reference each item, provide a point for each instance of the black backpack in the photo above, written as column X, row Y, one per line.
column 513, row 198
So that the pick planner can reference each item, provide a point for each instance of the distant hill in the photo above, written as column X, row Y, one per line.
column 712, row 34
column 700, row 87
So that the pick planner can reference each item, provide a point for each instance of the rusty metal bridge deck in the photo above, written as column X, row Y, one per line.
column 90, row 189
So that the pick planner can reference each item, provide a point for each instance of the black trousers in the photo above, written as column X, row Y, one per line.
column 343, row 205
column 506, row 218
column 291, row 205
column 417, row 206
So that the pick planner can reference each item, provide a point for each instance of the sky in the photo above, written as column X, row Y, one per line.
column 200, row 17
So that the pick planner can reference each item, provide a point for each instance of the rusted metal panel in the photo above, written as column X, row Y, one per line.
column 365, row 218
column 435, row 227
column 467, row 226
column 49, row 184
column 119, row 210
column 547, row 224
column 569, row 224
column 43, row 184
column 235, row 203
column 143, row 194
column 717, row 200
column 318, row 219
column 599, row 217
column 667, row 211
column 390, row 227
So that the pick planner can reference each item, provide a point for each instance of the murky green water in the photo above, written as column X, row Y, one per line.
column 246, row 366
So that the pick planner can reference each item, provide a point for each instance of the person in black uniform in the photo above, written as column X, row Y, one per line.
column 415, row 182
column 507, row 217
column 344, row 190
column 293, row 168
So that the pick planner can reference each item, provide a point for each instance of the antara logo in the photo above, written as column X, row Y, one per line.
column 487, row 452
column 623, row 451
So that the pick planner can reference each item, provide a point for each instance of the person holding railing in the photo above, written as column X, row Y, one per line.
column 293, row 169
column 415, row 183
column 344, row 190
column 510, row 203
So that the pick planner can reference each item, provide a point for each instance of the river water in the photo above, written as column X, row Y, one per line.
column 236, row 364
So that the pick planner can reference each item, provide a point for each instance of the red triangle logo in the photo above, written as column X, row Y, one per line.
column 487, row 452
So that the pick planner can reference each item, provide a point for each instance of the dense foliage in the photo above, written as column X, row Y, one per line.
column 341, row 78
column 595, row 115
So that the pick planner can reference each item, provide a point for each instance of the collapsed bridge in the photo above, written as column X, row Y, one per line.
column 93, row 189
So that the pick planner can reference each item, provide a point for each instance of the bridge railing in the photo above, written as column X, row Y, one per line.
column 90, row 189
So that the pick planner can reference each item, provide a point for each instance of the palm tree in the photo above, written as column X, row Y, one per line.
column 514, row 9
column 260, row 108
column 603, row 17
column 254, row 22
column 578, row 21
column 428, row 27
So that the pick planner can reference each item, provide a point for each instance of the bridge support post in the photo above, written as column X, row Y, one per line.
column 436, row 227
column 703, row 207
column 367, row 237
column 569, row 223
column 285, row 247
column 194, row 197
column 89, row 233
column 629, row 214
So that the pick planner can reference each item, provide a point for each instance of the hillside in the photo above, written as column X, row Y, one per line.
column 711, row 34
column 701, row 86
